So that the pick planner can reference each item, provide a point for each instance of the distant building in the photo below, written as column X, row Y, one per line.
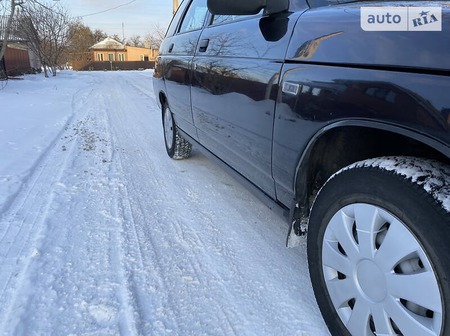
column 109, row 50
column 18, row 58
column 110, row 54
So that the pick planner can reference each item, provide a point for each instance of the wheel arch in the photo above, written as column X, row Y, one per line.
column 343, row 143
column 162, row 100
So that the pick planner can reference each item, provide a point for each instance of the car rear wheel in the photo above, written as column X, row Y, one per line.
column 176, row 146
column 378, row 247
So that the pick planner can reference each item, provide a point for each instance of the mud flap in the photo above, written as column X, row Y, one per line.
column 297, row 233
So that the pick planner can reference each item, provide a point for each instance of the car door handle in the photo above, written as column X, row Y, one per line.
column 170, row 48
column 203, row 45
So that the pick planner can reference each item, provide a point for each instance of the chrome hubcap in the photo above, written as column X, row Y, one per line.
column 378, row 276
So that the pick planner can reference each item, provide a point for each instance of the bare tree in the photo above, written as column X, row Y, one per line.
column 154, row 39
column 81, row 38
column 135, row 41
column 99, row 35
column 47, row 28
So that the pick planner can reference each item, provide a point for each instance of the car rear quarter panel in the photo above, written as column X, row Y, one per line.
column 336, row 74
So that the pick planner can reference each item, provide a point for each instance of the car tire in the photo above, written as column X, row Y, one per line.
column 176, row 146
column 379, row 246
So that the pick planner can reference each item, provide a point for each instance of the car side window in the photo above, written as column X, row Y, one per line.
column 218, row 19
column 174, row 23
column 223, row 18
column 195, row 16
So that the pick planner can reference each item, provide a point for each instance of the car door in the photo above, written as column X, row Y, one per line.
column 177, row 53
column 234, row 88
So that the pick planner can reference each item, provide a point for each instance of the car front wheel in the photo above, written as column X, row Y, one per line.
column 378, row 247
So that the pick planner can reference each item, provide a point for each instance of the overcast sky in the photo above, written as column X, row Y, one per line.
column 137, row 16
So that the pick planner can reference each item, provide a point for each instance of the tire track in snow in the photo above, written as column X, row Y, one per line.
column 188, row 241
column 119, row 254
column 146, row 279
column 113, row 212
column 89, row 231
column 165, row 303
column 160, row 325
column 141, row 85
column 191, row 266
column 36, row 167
column 22, row 223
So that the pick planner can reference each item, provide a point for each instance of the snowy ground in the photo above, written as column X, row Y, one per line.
column 102, row 234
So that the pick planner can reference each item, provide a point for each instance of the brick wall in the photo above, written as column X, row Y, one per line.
column 138, row 54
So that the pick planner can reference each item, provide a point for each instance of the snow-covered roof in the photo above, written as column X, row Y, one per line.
column 108, row 43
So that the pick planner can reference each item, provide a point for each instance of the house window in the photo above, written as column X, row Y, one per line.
column 111, row 57
column 122, row 57
column 100, row 57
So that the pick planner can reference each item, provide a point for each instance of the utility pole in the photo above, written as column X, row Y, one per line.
column 175, row 6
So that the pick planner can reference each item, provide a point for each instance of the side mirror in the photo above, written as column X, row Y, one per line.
column 247, row 7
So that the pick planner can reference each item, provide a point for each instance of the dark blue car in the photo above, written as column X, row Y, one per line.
column 337, row 113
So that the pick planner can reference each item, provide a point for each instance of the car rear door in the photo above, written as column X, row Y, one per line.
column 234, row 88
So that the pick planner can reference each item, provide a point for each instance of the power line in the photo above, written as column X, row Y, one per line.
column 42, row 5
column 109, row 9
